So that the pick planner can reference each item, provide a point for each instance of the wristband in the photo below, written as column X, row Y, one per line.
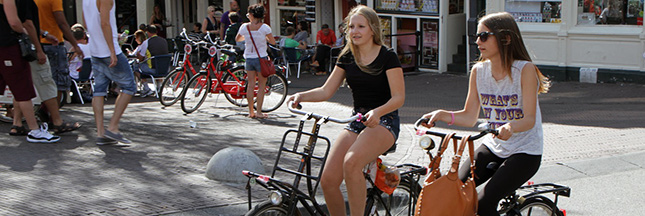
column 452, row 115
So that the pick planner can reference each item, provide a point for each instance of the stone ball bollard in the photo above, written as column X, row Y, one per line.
column 227, row 165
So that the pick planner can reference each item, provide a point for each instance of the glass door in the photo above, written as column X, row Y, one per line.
column 430, row 43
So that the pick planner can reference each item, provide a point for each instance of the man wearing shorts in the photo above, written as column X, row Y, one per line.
column 42, row 79
column 108, row 64
column 52, row 20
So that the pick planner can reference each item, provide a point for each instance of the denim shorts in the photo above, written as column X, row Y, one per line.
column 57, row 55
column 390, row 121
column 121, row 74
column 253, row 64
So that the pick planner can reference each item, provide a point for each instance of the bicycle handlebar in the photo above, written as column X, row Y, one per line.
column 485, row 131
column 357, row 117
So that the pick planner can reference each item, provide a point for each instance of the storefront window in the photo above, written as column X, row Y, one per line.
column 535, row 10
column 616, row 12
column 427, row 6
column 290, row 18
column 299, row 3
column 386, row 29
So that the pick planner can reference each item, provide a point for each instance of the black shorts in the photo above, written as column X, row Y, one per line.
column 390, row 121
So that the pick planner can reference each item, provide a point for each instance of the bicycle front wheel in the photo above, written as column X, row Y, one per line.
column 267, row 208
column 538, row 206
column 237, row 84
column 275, row 92
column 195, row 94
column 172, row 87
column 401, row 202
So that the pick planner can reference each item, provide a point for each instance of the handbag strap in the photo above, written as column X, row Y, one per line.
column 458, row 155
column 253, row 41
column 437, row 159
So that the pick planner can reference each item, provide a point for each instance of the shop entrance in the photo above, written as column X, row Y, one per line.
column 406, row 43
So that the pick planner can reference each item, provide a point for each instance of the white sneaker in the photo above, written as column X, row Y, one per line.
column 42, row 135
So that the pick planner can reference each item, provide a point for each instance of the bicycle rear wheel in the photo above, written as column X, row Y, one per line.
column 275, row 92
column 401, row 202
column 196, row 91
column 172, row 87
column 267, row 208
column 239, row 81
column 538, row 206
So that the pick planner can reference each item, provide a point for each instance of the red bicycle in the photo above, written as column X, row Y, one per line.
column 174, row 83
column 228, row 76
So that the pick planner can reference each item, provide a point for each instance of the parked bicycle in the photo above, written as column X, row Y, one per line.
column 527, row 200
column 174, row 83
column 223, row 76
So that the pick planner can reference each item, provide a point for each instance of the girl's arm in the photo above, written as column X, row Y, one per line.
column 205, row 23
column 322, row 93
column 397, row 90
column 270, row 39
column 529, row 104
column 467, row 117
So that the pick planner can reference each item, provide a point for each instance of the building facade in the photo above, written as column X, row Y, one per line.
column 598, row 40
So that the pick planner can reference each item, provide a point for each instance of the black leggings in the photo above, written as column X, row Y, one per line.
column 512, row 173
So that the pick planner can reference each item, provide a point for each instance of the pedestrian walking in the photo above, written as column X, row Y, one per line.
column 15, row 71
column 53, row 21
column 109, row 64
column 374, row 74
column 505, row 84
column 42, row 79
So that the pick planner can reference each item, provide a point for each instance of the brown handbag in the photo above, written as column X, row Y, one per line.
column 266, row 66
column 447, row 195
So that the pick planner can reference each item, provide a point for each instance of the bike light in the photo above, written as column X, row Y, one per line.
column 425, row 142
column 275, row 197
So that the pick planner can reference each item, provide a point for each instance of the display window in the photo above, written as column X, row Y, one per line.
column 430, row 45
column 290, row 18
column 414, row 6
column 386, row 30
column 610, row 12
column 538, row 11
column 299, row 3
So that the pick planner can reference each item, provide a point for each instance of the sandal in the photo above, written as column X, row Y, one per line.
column 65, row 127
column 20, row 131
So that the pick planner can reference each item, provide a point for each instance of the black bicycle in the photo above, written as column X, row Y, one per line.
column 286, row 198
column 528, row 200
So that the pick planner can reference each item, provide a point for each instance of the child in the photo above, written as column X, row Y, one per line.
column 505, row 84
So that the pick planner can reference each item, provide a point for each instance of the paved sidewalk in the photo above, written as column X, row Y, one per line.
column 163, row 171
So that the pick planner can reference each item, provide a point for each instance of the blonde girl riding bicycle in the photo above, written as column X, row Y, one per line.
column 505, row 85
column 374, row 74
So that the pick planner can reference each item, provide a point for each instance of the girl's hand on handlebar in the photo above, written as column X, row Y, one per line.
column 296, row 100
column 433, row 117
column 505, row 132
column 371, row 119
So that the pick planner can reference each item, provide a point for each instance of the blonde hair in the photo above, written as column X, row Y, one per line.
column 375, row 25
column 505, row 28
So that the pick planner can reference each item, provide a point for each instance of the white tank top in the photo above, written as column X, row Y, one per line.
column 501, row 102
column 97, row 43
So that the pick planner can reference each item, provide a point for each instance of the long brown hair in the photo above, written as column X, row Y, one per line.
column 375, row 25
column 510, row 44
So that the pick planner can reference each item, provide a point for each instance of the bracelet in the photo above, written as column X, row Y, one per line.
column 452, row 114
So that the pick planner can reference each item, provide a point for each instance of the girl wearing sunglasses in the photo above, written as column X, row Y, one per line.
column 505, row 85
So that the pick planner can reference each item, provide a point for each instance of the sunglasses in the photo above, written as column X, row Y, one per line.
column 483, row 36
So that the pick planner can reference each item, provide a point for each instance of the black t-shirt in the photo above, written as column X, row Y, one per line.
column 370, row 91
column 32, row 14
column 7, row 35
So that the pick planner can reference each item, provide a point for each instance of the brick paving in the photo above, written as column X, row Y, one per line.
column 163, row 172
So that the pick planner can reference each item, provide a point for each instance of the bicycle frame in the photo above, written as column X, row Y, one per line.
column 291, row 191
